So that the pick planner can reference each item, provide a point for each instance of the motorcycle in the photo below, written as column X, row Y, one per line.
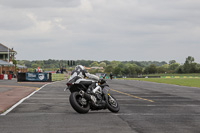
column 83, row 99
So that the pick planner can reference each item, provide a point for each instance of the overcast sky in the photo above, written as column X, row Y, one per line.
column 139, row 30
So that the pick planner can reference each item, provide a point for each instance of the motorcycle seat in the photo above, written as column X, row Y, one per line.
column 86, row 83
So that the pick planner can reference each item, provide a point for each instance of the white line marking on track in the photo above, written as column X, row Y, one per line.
column 18, row 103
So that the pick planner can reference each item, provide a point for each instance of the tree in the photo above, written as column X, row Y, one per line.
column 34, row 66
column 151, row 69
column 93, row 71
column 189, row 60
column 174, row 66
column 161, row 69
column 15, row 63
column 132, row 69
column 102, row 64
column 126, row 71
column 138, row 70
column 165, row 66
column 198, row 68
column 172, row 62
column 189, row 65
column 117, row 71
column 193, row 68
column 109, row 69
column 94, row 64
column 180, row 69
column 114, row 63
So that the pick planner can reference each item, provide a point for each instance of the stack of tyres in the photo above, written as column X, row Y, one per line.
column 10, row 77
column 5, row 76
column 1, row 76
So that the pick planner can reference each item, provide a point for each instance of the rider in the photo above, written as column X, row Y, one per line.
column 79, row 73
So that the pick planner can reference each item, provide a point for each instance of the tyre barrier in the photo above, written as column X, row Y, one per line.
column 1, row 76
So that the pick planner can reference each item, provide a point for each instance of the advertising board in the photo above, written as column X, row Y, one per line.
column 36, row 76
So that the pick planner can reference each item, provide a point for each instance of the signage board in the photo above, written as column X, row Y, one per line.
column 36, row 76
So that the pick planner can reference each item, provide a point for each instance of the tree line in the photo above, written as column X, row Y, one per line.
column 119, row 68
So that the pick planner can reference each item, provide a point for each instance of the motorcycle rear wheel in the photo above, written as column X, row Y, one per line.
column 78, row 103
column 112, row 104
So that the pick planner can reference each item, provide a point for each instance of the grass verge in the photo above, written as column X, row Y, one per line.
column 190, row 82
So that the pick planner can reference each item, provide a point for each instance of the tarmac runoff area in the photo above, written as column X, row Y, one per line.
column 12, row 92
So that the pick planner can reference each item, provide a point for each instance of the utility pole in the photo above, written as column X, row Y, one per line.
column 8, row 55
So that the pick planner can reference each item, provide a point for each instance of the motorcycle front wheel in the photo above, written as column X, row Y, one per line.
column 78, row 103
column 112, row 104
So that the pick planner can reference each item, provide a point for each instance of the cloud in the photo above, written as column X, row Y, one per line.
column 41, row 26
column 40, row 3
column 102, row 29
column 13, row 20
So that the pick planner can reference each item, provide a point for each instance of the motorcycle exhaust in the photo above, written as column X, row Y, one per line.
column 85, row 95
column 88, row 96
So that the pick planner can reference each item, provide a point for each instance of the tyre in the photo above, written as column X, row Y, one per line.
column 78, row 103
column 112, row 104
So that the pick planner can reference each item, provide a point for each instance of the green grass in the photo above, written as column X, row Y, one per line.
column 57, row 77
column 175, row 74
column 191, row 82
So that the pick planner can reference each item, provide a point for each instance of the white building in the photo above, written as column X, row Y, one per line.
column 6, row 53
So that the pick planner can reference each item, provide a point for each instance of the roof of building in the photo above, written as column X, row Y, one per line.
column 87, row 68
column 20, row 66
column 3, row 48
column 97, row 68
column 5, row 63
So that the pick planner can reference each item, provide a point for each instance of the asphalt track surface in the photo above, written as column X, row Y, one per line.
column 145, row 108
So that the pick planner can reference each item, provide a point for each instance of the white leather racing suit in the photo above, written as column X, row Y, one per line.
column 79, row 74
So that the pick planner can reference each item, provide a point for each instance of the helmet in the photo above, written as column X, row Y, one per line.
column 79, row 68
